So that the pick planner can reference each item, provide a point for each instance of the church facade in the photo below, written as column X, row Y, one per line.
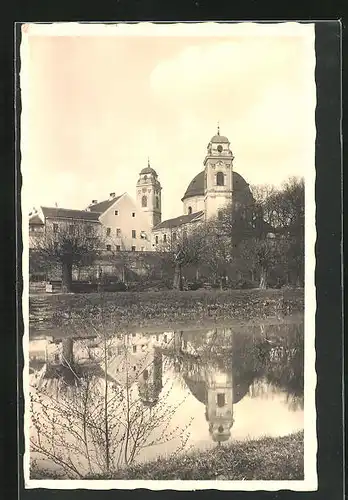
column 127, row 224
column 212, row 189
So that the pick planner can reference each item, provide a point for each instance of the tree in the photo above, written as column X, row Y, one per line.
column 188, row 249
column 77, row 244
column 260, row 255
column 92, row 424
column 283, row 210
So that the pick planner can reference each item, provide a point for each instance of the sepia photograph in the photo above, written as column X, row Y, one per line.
column 168, row 225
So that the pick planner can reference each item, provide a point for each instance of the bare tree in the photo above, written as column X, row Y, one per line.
column 69, row 245
column 96, row 423
column 260, row 255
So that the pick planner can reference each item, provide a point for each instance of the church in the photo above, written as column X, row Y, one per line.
column 209, row 191
column 125, row 224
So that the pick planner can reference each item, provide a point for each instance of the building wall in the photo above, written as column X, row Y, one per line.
column 63, row 224
column 126, row 223
column 195, row 202
column 167, row 238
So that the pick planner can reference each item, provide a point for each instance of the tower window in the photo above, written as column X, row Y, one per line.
column 146, row 374
column 134, row 233
column 108, row 231
column 189, row 211
column 156, row 239
column 55, row 228
column 220, row 429
column 219, row 148
column 133, row 214
column 221, row 400
column 145, row 178
column 220, row 179
column 164, row 238
column 116, row 212
column 134, row 348
column 174, row 237
column 157, row 202
column 144, row 201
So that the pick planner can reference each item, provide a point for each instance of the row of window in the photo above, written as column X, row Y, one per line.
column 118, row 248
column 71, row 228
column 134, row 233
column 174, row 238
column 117, row 212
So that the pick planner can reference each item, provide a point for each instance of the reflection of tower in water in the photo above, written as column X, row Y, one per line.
column 213, row 386
column 150, row 380
column 214, row 379
column 219, row 405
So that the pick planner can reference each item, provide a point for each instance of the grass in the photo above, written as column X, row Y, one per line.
column 262, row 459
column 166, row 308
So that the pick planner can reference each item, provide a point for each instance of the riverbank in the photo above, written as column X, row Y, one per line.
column 132, row 310
column 261, row 460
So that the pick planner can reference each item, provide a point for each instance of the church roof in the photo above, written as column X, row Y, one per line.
column 102, row 206
column 67, row 213
column 196, row 186
column 148, row 170
column 35, row 221
column 179, row 221
column 198, row 388
column 219, row 138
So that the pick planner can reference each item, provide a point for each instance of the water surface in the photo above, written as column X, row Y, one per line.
column 166, row 392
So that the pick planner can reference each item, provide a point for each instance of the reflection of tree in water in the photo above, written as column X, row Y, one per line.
column 285, row 364
column 98, row 415
column 221, row 366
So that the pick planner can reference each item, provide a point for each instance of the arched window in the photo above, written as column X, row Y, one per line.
column 157, row 202
column 189, row 210
column 221, row 400
column 220, row 179
column 145, row 374
column 144, row 201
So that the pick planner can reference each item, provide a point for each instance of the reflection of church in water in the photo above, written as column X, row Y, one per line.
column 213, row 382
column 136, row 360
column 132, row 360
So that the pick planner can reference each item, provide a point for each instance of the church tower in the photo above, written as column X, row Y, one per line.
column 219, row 406
column 218, row 179
column 149, row 195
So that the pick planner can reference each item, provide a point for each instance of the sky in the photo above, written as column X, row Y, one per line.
column 96, row 105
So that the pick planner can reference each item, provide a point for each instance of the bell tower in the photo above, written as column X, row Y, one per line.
column 149, row 195
column 218, row 180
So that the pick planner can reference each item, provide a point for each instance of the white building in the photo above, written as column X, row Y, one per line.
column 136, row 224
